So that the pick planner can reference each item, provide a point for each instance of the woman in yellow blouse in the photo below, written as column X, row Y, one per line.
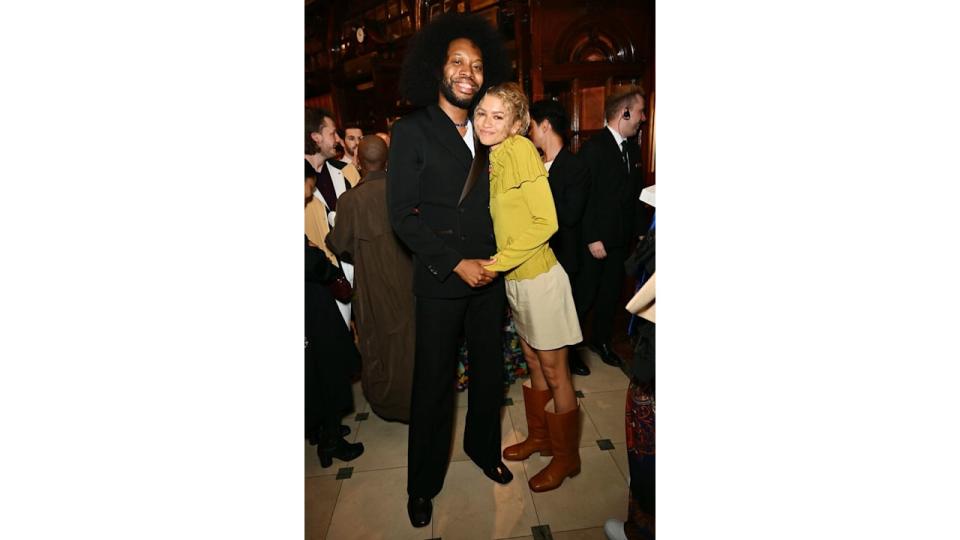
column 538, row 290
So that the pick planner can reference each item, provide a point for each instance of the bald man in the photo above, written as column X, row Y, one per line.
column 383, row 305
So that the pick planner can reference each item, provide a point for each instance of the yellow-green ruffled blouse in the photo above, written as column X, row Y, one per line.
column 521, row 205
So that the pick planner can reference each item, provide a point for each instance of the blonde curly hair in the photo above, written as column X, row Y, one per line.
column 513, row 98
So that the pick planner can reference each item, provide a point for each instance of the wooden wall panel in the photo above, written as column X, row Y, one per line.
column 583, row 50
column 591, row 108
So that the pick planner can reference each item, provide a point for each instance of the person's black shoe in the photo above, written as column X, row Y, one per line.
column 499, row 473
column 339, row 449
column 419, row 510
column 605, row 351
column 577, row 367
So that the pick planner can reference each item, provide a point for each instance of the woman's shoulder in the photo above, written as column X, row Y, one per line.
column 522, row 165
column 519, row 148
column 518, row 143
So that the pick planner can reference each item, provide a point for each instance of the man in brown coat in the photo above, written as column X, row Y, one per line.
column 383, row 305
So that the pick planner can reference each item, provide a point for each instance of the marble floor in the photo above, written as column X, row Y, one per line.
column 366, row 498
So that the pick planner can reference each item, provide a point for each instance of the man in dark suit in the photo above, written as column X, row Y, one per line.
column 438, row 199
column 568, row 184
column 610, row 222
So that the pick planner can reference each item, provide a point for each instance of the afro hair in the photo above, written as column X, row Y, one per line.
column 427, row 53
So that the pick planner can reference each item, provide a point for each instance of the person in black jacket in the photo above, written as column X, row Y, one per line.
column 438, row 197
column 610, row 222
column 330, row 354
column 568, row 184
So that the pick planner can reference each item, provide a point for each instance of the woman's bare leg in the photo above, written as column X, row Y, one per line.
column 537, row 381
column 553, row 371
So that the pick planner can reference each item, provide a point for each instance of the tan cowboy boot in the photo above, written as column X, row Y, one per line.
column 538, row 439
column 565, row 440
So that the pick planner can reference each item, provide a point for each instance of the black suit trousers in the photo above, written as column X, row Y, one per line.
column 440, row 323
column 598, row 286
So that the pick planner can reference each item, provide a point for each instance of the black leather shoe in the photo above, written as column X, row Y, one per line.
column 499, row 473
column 605, row 351
column 419, row 510
column 339, row 449
column 577, row 367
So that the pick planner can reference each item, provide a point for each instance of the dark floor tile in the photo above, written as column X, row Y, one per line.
column 541, row 532
column 605, row 444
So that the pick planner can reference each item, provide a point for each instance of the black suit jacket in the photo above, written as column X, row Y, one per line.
column 426, row 172
column 569, row 182
column 613, row 205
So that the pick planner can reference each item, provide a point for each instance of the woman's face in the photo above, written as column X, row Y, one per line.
column 308, row 187
column 493, row 121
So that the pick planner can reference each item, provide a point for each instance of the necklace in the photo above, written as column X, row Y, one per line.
column 463, row 125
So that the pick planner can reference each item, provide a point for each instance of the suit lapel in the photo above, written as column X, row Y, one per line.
column 613, row 149
column 449, row 137
column 559, row 161
column 336, row 175
column 476, row 169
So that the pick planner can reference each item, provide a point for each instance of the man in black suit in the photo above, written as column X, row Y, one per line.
column 438, row 200
column 610, row 222
column 568, row 184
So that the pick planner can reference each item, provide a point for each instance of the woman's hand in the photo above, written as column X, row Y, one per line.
column 473, row 273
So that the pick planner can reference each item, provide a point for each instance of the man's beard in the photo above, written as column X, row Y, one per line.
column 446, row 88
column 329, row 154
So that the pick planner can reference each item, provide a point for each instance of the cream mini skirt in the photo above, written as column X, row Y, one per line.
column 543, row 310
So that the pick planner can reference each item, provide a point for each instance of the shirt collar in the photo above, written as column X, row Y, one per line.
column 616, row 136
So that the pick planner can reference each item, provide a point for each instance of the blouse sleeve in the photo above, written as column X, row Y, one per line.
column 524, row 171
column 517, row 162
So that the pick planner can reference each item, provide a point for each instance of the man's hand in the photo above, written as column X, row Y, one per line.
column 596, row 249
column 473, row 273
